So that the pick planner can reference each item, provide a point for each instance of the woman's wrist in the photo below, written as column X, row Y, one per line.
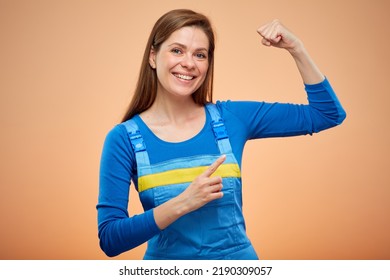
column 309, row 71
column 297, row 50
column 168, row 212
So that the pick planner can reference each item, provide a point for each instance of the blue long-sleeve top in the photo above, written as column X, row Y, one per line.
column 243, row 120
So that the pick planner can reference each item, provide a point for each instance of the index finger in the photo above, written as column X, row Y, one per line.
column 214, row 166
column 268, row 28
column 261, row 29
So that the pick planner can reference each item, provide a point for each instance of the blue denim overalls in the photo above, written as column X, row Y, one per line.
column 214, row 231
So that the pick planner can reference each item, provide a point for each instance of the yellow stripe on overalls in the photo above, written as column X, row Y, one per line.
column 184, row 175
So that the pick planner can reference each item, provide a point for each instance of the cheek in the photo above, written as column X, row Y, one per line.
column 203, row 68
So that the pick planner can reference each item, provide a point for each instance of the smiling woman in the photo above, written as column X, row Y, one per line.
column 146, row 90
column 181, row 64
column 183, row 152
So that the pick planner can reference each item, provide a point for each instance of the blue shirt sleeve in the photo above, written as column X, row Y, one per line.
column 117, row 231
column 262, row 120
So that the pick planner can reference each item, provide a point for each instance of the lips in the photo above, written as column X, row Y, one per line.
column 184, row 77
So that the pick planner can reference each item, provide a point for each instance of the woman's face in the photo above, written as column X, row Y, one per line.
column 182, row 62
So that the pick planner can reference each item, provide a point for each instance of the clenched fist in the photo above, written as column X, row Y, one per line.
column 275, row 34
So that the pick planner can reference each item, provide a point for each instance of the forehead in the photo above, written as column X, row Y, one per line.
column 189, row 36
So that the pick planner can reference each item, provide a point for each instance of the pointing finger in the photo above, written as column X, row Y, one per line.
column 214, row 166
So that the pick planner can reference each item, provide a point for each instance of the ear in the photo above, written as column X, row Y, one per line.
column 152, row 58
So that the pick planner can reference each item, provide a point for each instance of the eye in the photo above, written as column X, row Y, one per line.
column 176, row 51
column 201, row 56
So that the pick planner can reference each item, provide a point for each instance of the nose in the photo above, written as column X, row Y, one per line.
column 188, row 62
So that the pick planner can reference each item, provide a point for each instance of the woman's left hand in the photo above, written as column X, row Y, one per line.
column 275, row 34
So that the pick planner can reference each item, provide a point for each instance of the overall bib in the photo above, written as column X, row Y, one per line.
column 214, row 231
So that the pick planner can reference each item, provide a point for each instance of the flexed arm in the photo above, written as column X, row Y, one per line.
column 275, row 34
column 323, row 110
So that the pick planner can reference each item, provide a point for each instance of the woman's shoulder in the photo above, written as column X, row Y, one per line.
column 117, row 136
column 117, row 130
column 226, row 105
column 238, row 107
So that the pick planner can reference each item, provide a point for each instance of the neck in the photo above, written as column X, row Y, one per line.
column 174, row 110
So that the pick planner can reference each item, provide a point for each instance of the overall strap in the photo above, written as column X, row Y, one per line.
column 219, row 129
column 138, row 144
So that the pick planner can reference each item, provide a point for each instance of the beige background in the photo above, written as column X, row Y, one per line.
column 67, row 71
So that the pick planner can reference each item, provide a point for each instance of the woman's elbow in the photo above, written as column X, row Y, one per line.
column 108, row 250
column 342, row 115
column 106, row 244
column 328, row 121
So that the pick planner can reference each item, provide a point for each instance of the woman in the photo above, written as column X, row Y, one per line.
column 184, row 153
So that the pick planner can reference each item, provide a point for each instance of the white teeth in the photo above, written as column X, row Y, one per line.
column 184, row 77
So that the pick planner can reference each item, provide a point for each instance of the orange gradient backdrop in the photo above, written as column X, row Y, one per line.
column 67, row 72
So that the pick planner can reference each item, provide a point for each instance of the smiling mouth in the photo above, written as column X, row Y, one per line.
column 183, row 77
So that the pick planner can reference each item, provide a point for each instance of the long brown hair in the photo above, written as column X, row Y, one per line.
column 146, row 89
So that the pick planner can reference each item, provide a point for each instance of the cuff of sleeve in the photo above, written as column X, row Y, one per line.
column 151, row 222
column 312, row 88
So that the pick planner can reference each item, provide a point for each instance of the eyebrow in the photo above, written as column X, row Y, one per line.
column 185, row 47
